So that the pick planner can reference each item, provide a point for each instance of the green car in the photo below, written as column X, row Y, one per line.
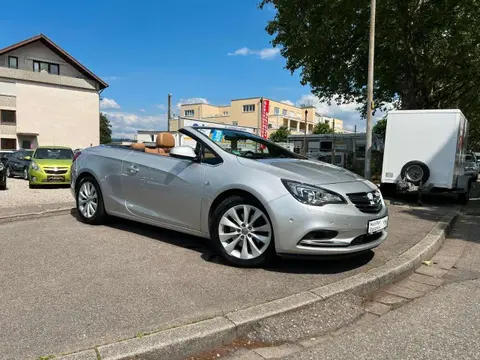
column 50, row 165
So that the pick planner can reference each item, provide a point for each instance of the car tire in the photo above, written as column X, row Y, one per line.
column 418, row 164
column 31, row 186
column 9, row 172
column 227, row 227
column 25, row 174
column 88, row 194
column 3, row 186
column 463, row 198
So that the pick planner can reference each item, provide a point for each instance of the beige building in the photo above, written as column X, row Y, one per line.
column 47, row 97
column 247, row 112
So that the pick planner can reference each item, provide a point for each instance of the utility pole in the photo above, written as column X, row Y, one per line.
column 305, row 135
column 371, row 56
column 355, row 146
column 333, row 142
column 169, row 115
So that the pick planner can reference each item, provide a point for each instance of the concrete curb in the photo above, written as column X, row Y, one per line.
column 183, row 341
column 35, row 215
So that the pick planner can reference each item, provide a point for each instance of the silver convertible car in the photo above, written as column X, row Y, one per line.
column 251, row 197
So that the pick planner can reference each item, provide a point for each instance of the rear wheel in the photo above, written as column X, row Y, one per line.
column 25, row 174
column 3, row 186
column 90, row 202
column 242, row 231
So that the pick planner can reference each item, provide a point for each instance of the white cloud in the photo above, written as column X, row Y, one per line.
column 349, row 113
column 125, row 124
column 264, row 54
column 288, row 102
column 107, row 103
column 142, row 110
column 161, row 106
column 196, row 100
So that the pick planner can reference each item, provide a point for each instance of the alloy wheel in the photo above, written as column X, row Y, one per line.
column 87, row 200
column 9, row 172
column 414, row 173
column 245, row 232
column 25, row 174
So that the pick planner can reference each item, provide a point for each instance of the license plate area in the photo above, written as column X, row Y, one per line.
column 55, row 178
column 375, row 226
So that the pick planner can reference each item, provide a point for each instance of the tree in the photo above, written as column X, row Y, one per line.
column 380, row 128
column 281, row 135
column 427, row 52
column 322, row 128
column 105, row 129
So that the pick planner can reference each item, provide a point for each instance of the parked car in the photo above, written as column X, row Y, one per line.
column 5, row 155
column 471, row 166
column 18, row 163
column 251, row 204
column 50, row 165
column 3, row 176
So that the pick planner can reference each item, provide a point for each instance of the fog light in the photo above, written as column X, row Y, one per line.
column 34, row 179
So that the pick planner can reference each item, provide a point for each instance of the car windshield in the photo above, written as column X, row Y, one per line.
column 247, row 145
column 54, row 154
column 469, row 158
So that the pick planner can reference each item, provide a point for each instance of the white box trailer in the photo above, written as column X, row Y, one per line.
column 425, row 151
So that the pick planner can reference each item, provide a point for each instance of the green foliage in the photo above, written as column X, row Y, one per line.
column 105, row 129
column 427, row 53
column 322, row 128
column 380, row 128
column 281, row 135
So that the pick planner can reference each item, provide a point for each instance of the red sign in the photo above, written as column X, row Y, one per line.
column 264, row 123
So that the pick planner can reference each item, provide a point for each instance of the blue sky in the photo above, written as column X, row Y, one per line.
column 211, row 50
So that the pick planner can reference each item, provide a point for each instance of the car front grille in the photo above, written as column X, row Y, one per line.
column 55, row 171
column 370, row 202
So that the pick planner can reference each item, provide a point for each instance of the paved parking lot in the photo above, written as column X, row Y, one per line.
column 67, row 286
column 19, row 198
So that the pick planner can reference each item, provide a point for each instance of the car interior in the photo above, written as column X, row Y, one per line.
column 164, row 143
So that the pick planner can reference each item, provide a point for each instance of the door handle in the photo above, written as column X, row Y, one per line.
column 133, row 169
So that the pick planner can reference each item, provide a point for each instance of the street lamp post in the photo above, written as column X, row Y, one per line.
column 305, row 135
column 371, row 55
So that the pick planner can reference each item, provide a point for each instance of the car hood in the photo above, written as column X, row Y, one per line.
column 311, row 171
column 53, row 162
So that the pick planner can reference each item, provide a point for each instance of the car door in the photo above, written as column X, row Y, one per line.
column 14, row 163
column 163, row 188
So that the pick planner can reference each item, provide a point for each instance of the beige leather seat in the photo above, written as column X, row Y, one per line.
column 138, row 147
column 165, row 141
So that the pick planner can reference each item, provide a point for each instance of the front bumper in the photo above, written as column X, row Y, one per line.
column 293, row 221
column 41, row 178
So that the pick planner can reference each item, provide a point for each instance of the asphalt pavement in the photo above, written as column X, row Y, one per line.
column 67, row 286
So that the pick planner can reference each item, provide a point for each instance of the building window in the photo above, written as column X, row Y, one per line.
column 276, row 111
column 235, row 123
column 26, row 144
column 13, row 62
column 40, row 66
column 292, row 114
column 284, row 112
column 325, row 146
column 189, row 112
column 8, row 144
column 270, row 126
column 249, row 108
column 8, row 117
column 225, row 113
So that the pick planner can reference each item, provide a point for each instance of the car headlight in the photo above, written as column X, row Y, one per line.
column 312, row 195
column 35, row 166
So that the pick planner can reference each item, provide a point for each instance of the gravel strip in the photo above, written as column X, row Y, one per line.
column 18, row 194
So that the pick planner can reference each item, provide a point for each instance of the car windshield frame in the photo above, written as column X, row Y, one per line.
column 39, row 150
column 274, row 151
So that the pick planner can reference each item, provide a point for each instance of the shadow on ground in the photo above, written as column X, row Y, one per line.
column 304, row 265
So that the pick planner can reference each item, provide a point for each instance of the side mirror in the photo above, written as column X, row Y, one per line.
column 27, row 158
column 183, row 152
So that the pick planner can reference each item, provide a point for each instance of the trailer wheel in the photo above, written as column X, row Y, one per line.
column 415, row 172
